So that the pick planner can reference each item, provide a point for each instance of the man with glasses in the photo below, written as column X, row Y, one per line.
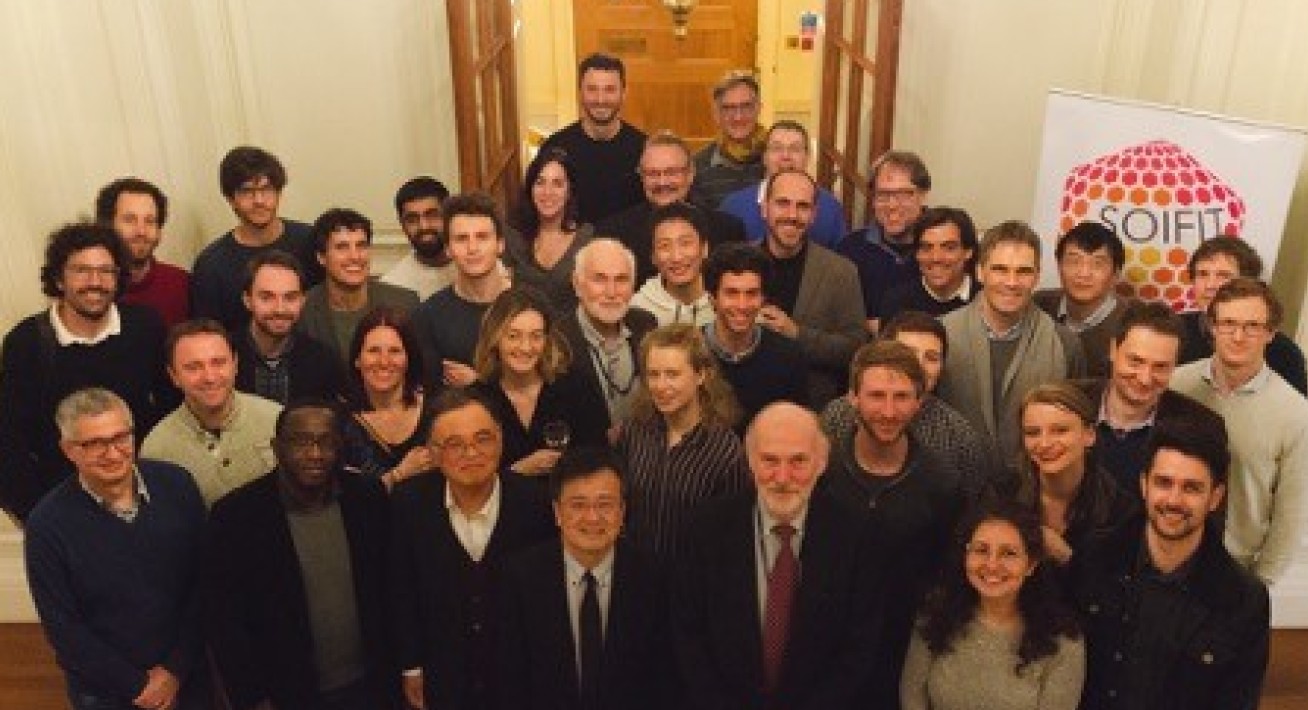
column 733, row 161
column 785, row 148
column 252, row 180
column 451, row 534
column 111, row 561
column 585, row 623
column 1268, row 424
column 883, row 251
column 666, row 173
column 82, row 340
column 1090, row 257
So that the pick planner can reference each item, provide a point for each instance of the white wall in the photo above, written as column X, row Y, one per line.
column 354, row 97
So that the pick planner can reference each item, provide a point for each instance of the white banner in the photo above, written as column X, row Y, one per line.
column 1164, row 179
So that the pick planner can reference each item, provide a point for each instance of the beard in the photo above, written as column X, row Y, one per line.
column 429, row 246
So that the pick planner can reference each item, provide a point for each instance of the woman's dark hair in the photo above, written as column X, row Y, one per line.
column 525, row 218
column 952, row 605
column 356, row 395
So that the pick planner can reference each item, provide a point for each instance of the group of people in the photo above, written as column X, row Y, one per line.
column 662, row 434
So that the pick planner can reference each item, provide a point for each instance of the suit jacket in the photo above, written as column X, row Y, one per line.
column 835, row 627
column 257, row 614
column 832, row 325
column 316, row 316
column 444, row 603
column 590, row 406
column 539, row 651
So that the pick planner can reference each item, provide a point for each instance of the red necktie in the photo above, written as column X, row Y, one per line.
column 782, row 582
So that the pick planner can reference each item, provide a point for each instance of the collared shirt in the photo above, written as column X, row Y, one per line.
column 474, row 529
column 272, row 375
column 1099, row 315
column 1105, row 419
column 113, row 325
column 719, row 349
column 575, row 583
column 1012, row 333
column 615, row 365
column 1252, row 386
column 962, row 294
column 140, row 496
column 767, row 545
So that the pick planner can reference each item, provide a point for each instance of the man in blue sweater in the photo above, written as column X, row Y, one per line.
column 110, row 560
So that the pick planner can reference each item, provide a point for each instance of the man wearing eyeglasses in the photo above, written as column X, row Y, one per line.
column 111, row 561
column 82, row 340
column 883, row 251
column 666, row 173
column 1268, row 424
column 733, row 161
column 585, row 621
column 450, row 537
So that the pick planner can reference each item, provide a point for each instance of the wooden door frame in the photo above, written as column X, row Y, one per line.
column 487, row 162
column 842, row 156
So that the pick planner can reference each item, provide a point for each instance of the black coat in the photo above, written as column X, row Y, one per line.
column 445, row 604
column 590, row 408
column 256, row 613
column 1209, row 641
column 835, row 630
column 539, row 653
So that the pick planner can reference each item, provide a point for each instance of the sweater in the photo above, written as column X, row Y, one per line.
column 218, row 276
column 827, row 228
column 166, row 289
column 118, row 598
column 978, row 674
column 654, row 297
column 446, row 327
column 1267, row 493
column 609, row 183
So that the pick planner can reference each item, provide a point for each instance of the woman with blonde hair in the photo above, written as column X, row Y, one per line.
column 679, row 445
column 522, row 363
column 1060, row 480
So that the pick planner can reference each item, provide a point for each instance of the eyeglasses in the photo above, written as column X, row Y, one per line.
column 895, row 197
column 1004, row 553
column 481, row 441
column 83, row 271
column 603, row 507
column 122, row 441
column 1228, row 326
column 306, row 442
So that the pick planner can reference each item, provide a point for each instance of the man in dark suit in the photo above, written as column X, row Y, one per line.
column 814, row 297
column 773, row 604
column 585, row 622
column 450, row 536
column 294, row 583
column 604, row 332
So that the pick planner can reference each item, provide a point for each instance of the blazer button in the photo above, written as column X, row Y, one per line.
column 1207, row 658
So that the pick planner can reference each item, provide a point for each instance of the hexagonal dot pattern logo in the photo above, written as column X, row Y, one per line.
column 1162, row 202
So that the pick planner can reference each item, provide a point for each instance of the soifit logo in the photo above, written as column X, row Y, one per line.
column 1162, row 202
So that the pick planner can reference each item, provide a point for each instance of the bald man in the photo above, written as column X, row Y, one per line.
column 751, row 630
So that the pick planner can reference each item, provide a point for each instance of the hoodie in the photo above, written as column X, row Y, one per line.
column 667, row 309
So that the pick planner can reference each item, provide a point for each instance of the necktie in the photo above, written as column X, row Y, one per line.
column 592, row 643
column 780, row 600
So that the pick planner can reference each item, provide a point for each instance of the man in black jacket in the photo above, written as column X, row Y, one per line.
column 1171, row 620
column 294, row 578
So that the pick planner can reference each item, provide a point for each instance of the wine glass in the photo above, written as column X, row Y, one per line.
column 556, row 434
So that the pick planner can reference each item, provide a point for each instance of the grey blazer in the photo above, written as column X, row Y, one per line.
column 829, row 313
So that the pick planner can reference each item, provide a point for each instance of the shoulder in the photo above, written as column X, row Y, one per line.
column 830, row 262
column 1047, row 299
column 236, row 506
column 640, row 321
column 392, row 295
column 169, row 480
column 258, row 408
column 25, row 333
column 216, row 251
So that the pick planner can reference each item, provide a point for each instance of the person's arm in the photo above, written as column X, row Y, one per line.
column 833, row 344
column 690, row 634
column 405, row 602
column 1064, row 677
column 1240, row 687
column 1288, row 502
column 913, row 680
column 77, row 647
column 20, row 395
column 225, row 592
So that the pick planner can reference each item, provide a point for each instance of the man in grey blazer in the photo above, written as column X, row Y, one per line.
column 342, row 239
column 814, row 296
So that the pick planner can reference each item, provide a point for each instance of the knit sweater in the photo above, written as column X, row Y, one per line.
column 117, row 598
column 1267, row 494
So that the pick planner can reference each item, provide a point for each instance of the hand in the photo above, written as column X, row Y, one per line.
column 418, row 461
column 777, row 320
column 413, row 691
column 457, row 373
column 1057, row 548
column 537, row 463
column 873, row 326
column 160, row 692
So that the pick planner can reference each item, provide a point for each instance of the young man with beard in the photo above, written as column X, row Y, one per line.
column 1268, row 423
column 252, row 180
column 273, row 361
column 733, row 160
column 1090, row 259
column 82, row 340
column 676, row 293
column 944, row 244
column 604, row 148
column 426, row 269
column 332, row 310
column 1171, row 620
column 137, row 210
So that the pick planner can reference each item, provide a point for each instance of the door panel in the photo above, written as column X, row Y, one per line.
column 485, row 97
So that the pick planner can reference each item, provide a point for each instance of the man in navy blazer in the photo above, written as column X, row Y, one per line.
column 450, row 536
column 737, row 648
column 545, row 595
column 284, row 555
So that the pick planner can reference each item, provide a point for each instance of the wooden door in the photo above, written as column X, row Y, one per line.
column 485, row 97
column 670, row 80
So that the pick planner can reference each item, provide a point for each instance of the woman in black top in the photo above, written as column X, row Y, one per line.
column 550, row 234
